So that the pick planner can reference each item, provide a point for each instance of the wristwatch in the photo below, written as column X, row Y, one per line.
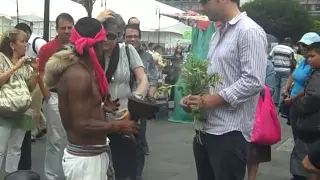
column 137, row 95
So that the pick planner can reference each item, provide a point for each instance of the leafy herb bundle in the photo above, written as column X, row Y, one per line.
column 194, row 74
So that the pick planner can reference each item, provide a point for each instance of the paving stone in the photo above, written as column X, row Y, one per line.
column 171, row 156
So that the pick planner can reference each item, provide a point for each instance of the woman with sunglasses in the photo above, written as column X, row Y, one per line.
column 126, row 75
column 296, row 83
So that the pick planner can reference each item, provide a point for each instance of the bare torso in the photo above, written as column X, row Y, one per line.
column 93, row 108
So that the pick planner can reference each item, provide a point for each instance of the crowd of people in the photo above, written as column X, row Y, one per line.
column 86, row 73
column 115, row 62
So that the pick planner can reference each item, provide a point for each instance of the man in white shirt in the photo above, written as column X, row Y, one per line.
column 34, row 43
column 283, row 58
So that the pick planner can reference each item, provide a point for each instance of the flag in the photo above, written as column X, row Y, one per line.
column 84, row 2
column 88, row 4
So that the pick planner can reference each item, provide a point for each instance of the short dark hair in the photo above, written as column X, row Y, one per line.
column 133, row 18
column 88, row 27
column 150, row 45
column 236, row 1
column 314, row 47
column 109, row 22
column 64, row 16
column 23, row 27
column 157, row 47
column 132, row 26
column 288, row 41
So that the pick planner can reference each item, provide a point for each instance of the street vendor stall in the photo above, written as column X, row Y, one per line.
column 202, row 30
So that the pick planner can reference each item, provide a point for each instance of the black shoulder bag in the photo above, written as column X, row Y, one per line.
column 34, row 44
column 113, row 64
column 132, row 75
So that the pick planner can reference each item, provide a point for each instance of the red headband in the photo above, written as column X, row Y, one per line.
column 82, row 43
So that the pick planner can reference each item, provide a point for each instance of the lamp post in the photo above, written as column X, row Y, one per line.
column 159, row 16
column 17, row 3
column 46, row 23
column 104, row 4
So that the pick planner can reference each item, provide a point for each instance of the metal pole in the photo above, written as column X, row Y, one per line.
column 89, row 5
column 159, row 25
column 17, row 3
column 46, row 23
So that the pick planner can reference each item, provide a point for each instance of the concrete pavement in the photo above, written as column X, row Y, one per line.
column 171, row 156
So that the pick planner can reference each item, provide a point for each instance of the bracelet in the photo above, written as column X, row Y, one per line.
column 138, row 95
column 201, row 99
column 35, row 74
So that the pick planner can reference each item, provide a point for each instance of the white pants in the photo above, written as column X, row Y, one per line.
column 56, row 138
column 10, row 142
column 85, row 168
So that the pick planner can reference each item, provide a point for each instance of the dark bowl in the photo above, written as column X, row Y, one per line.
column 23, row 175
column 141, row 108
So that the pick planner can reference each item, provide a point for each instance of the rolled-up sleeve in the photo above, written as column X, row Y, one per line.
column 271, row 77
column 252, row 48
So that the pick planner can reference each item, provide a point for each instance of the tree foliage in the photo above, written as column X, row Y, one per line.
column 281, row 18
column 315, row 25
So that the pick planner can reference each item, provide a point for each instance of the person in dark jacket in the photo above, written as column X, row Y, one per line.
column 308, row 105
column 132, row 35
column 308, row 111
column 312, row 161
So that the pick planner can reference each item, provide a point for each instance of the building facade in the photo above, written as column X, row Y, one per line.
column 313, row 6
column 244, row 1
column 182, row 4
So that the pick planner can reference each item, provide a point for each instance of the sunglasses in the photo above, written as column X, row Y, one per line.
column 111, row 36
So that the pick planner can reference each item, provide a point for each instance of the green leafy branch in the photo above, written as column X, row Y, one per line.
column 196, row 80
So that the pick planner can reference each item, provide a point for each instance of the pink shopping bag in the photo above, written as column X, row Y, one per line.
column 266, row 129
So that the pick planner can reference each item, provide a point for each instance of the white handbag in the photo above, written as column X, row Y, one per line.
column 15, row 97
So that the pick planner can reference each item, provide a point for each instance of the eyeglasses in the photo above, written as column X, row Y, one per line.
column 132, row 36
column 111, row 36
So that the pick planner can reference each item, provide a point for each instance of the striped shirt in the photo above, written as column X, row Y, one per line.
column 281, row 56
column 238, row 52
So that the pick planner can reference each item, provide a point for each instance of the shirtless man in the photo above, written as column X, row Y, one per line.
column 80, row 87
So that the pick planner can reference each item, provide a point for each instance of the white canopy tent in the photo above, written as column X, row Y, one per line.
column 147, row 11
column 9, row 8
column 8, row 13
column 56, row 7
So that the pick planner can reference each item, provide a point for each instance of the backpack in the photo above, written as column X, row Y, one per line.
column 34, row 44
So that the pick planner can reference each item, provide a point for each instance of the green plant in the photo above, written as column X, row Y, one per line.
column 163, row 90
column 194, row 74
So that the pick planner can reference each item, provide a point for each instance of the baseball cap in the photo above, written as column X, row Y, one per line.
column 309, row 38
column 315, row 44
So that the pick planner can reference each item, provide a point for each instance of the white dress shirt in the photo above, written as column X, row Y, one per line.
column 38, row 44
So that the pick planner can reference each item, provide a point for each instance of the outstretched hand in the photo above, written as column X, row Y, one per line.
column 111, row 106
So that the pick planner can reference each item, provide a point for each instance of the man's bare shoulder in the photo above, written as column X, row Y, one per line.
column 76, row 78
